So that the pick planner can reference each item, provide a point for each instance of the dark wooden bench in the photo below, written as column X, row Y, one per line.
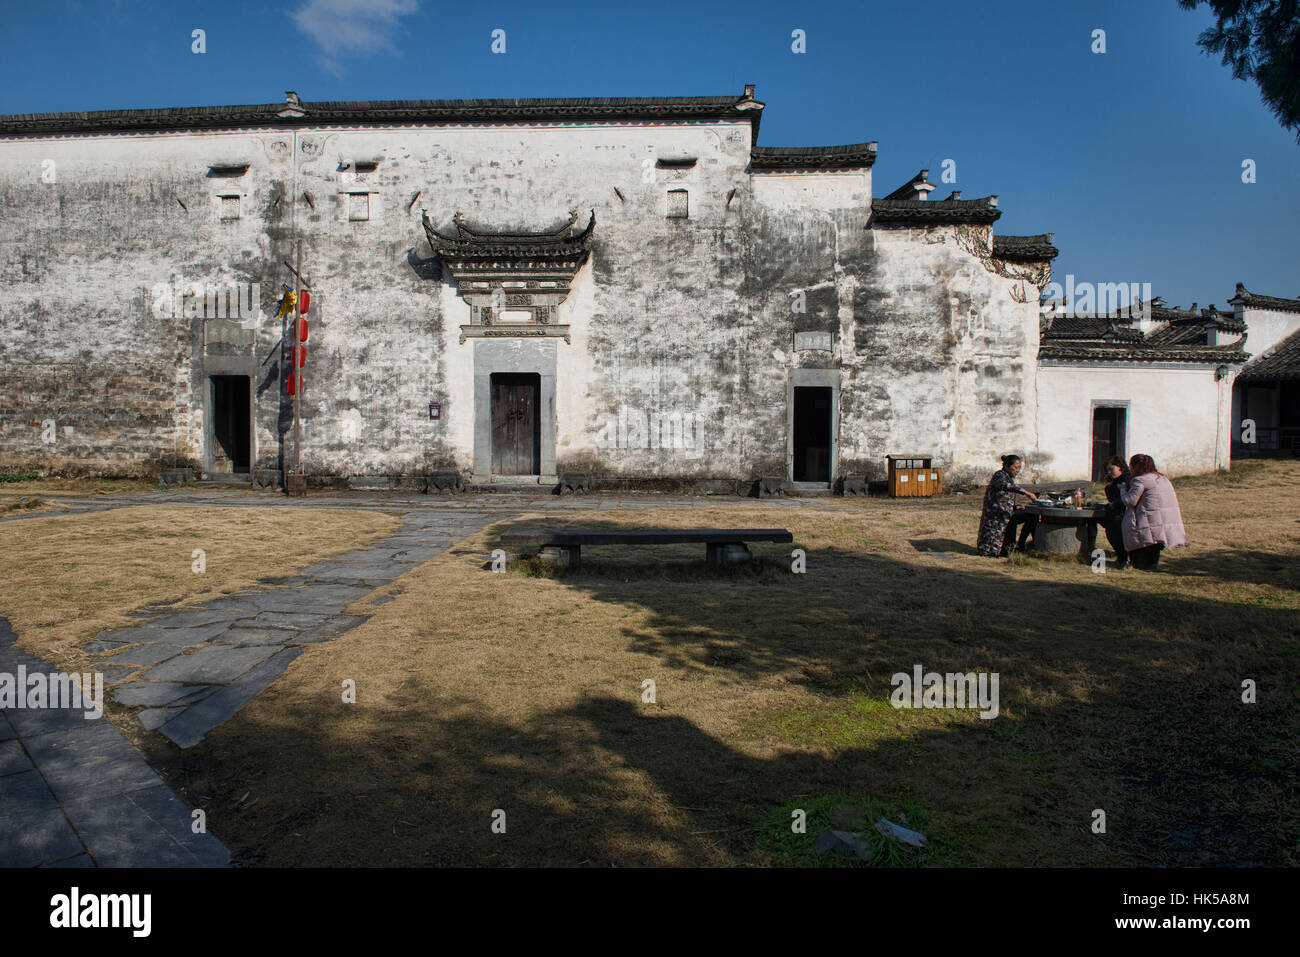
column 563, row 545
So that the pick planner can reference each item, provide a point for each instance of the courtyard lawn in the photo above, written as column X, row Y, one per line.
column 523, row 692
column 64, row 579
column 17, row 484
column 11, row 505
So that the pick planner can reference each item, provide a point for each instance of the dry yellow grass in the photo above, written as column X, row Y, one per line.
column 16, row 505
column 479, row 692
column 78, row 486
column 67, row 578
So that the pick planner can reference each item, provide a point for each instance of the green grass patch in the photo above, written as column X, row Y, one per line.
column 852, row 720
column 777, row 845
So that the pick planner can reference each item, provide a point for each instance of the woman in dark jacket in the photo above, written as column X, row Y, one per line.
column 1118, row 475
column 996, row 525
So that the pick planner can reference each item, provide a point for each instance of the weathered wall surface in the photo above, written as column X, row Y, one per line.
column 682, row 329
column 82, row 345
column 945, row 351
column 1169, row 417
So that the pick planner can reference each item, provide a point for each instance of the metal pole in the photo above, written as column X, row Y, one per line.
column 297, row 399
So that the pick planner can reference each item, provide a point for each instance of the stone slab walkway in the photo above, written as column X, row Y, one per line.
column 194, row 669
column 75, row 793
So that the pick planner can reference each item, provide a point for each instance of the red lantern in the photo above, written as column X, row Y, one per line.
column 302, row 330
column 295, row 383
column 299, row 356
column 304, row 301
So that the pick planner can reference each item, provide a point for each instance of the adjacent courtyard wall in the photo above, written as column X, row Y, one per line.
column 1169, row 415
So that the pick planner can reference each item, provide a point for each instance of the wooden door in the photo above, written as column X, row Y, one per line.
column 516, row 432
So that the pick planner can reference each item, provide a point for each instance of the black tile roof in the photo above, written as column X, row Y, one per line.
column 382, row 112
column 1091, row 327
column 852, row 156
column 1245, row 297
column 908, row 189
column 1113, row 338
column 1139, row 352
column 1192, row 331
column 468, row 243
column 1281, row 363
column 1025, row 249
column 924, row 212
column 1190, row 318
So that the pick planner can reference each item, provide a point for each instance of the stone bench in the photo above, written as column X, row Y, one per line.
column 562, row 546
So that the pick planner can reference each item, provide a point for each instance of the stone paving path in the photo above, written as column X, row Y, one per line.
column 75, row 793
column 194, row 668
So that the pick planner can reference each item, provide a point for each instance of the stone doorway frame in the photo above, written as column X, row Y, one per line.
column 815, row 378
column 228, row 367
column 535, row 357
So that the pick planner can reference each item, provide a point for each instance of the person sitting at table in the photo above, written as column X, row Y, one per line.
column 999, row 518
column 1118, row 475
column 1153, row 521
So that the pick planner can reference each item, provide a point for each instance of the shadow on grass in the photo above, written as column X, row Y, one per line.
column 1240, row 565
column 946, row 545
column 1111, row 698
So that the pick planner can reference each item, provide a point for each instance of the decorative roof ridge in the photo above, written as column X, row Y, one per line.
column 1245, row 297
column 916, row 188
column 561, row 240
column 1035, row 248
column 1047, row 238
column 847, row 156
column 982, row 211
column 300, row 112
column 1141, row 352
column 990, row 201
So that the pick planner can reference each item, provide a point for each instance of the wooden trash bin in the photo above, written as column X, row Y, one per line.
column 912, row 476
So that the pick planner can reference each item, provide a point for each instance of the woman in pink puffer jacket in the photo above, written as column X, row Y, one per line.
column 1152, row 521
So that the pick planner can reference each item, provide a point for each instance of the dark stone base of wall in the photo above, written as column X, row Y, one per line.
column 853, row 485
column 453, row 482
column 446, row 481
column 574, row 483
column 173, row 477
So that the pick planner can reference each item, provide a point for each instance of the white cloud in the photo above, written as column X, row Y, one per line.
column 352, row 27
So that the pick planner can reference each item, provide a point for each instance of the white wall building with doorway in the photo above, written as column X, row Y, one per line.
column 1158, row 383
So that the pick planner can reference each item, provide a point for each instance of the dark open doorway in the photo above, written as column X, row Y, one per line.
column 812, row 434
column 516, row 425
column 231, row 424
column 1107, row 438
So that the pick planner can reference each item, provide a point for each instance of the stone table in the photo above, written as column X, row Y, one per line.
column 1066, row 531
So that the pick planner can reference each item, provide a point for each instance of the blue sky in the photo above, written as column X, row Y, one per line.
column 1133, row 158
